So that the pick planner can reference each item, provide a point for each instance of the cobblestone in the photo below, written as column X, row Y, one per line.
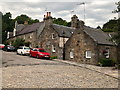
column 50, row 74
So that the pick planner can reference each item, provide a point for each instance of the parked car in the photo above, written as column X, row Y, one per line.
column 9, row 48
column 39, row 53
column 2, row 46
column 23, row 50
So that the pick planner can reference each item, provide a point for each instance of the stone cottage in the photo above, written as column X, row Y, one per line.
column 27, row 32
column 88, row 45
column 53, row 37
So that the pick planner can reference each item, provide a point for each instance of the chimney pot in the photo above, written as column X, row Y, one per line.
column 47, row 14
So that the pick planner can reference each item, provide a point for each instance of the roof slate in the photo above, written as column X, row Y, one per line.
column 29, row 28
column 63, row 31
column 98, row 35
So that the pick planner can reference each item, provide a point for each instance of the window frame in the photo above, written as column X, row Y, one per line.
column 71, row 54
column 53, row 35
column 88, row 54
column 53, row 48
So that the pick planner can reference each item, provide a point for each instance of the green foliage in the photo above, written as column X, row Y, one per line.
column 53, row 57
column 117, row 36
column 8, row 23
column 110, row 26
column 98, row 27
column 60, row 21
column 22, row 18
column 18, row 42
column 106, row 62
column 27, row 43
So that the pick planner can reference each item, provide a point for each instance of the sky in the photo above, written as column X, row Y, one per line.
column 93, row 13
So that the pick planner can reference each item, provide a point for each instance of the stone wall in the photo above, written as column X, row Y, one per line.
column 79, row 43
column 46, row 42
column 112, row 51
column 29, row 37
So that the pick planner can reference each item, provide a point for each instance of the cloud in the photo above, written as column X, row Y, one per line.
column 96, row 12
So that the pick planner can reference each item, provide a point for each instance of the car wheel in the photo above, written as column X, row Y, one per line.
column 37, row 56
column 30, row 55
column 17, row 53
column 21, row 53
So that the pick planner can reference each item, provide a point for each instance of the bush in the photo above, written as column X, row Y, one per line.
column 53, row 57
column 106, row 62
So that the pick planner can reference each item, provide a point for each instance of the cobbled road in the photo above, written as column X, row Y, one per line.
column 27, row 72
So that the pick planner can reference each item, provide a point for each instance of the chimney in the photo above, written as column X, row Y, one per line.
column 48, row 19
column 76, row 23
column 49, row 14
column 26, row 22
column 14, row 32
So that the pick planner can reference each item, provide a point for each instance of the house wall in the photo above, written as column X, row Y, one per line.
column 79, row 43
column 46, row 42
column 29, row 37
column 112, row 51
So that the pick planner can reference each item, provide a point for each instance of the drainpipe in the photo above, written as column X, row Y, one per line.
column 63, row 45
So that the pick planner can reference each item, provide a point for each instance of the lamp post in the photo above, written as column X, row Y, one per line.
column 83, row 3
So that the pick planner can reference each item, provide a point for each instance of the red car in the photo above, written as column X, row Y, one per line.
column 39, row 53
column 2, row 46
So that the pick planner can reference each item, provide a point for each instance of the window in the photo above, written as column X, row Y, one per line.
column 53, row 48
column 88, row 54
column 30, row 36
column 24, row 37
column 53, row 36
column 106, row 53
column 71, row 55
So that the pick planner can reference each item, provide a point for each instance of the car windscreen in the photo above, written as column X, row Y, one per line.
column 40, row 50
column 27, row 48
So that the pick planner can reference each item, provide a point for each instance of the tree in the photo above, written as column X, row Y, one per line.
column 22, row 18
column 7, row 25
column 18, row 42
column 60, row 21
column 117, row 36
column 110, row 26
column 98, row 27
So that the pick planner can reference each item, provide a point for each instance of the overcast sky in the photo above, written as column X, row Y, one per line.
column 96, row 12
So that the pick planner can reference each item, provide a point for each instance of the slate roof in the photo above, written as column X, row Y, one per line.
column 63, row 31
column 20, row 27
column 29, row 28
column 98, row 35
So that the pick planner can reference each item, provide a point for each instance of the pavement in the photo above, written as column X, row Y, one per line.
column 110, row 71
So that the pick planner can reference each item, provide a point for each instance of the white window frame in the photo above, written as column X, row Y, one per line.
column 30, row 35
column 53, row 48
column 71, row 55
column 53, row 36
column 24, row 37
column 108, row 53
column 88, row 54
